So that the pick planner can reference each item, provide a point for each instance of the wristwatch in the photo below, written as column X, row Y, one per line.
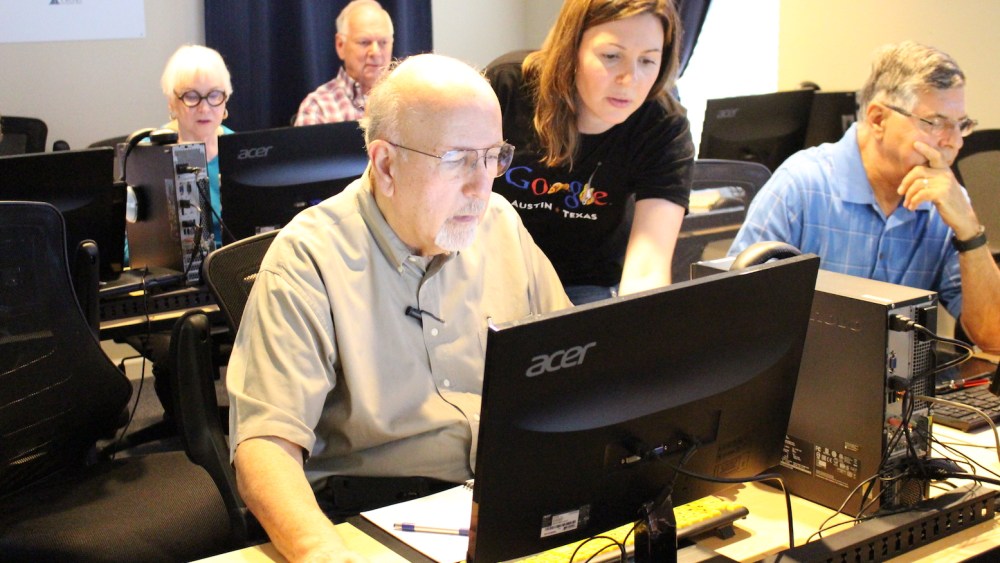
column 972, row 243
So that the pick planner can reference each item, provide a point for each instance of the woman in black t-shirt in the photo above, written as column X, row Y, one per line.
column 596, row 129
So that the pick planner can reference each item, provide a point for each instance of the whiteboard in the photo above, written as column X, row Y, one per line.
column 26, row 21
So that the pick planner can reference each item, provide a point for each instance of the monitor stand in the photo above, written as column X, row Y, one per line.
column 656, row 534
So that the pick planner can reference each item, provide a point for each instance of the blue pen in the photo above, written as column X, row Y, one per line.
column 407, row 527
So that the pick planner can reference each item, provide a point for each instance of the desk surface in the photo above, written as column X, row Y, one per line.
column 762, row 533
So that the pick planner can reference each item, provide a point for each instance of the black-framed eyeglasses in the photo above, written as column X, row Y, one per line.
column 937, row 124
column 192, row 98
column 495, row 159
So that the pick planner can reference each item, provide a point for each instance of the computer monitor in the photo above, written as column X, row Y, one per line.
column 80, row 184
column 831, row 115
column 268, row 176
column 766, row 128
column 585, row 412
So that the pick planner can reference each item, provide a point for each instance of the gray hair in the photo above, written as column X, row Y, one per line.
column 902, row 71
column 343, row 19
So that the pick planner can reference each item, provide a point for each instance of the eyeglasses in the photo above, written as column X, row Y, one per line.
column 937, row 124
column 191, row 98
column 495, row 159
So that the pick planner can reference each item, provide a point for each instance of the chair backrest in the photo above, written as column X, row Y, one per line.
column 230, row 272
column 731, row 186
column 59, row 392
column 976, row 168
column 22, row 135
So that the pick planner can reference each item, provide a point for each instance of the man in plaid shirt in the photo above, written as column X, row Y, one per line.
column 364, row 43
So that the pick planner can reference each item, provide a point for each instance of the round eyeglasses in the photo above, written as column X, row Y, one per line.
column 937, row 124
column 192, row 98
column 495, row 159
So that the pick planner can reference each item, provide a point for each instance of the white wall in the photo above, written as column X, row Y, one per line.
column 478, row 31
column 91, row 90
column 831, row 43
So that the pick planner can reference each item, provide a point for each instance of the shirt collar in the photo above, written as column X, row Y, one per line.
column 391, row 246
column 353, row 89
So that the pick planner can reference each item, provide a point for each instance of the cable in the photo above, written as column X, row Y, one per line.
column 993, row 426
column 753, row 479
column 202, row 184
column 142, row 367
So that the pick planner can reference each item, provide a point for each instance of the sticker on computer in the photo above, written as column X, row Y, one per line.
column 796, row 455
column 836, row 467
column 555, row 524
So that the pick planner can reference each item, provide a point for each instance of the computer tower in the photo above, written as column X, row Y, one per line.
column 173, row 227
column 847, row 412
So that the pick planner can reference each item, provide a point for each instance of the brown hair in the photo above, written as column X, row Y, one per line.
column 550, row 72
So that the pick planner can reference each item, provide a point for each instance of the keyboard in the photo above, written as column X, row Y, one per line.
column 978, row 396
column 694, row 518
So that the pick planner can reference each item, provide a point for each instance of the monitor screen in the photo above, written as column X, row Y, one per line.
column 766, row 128
column 585, row 411
column 831, row 115
column 80, row 184
column 268, row 176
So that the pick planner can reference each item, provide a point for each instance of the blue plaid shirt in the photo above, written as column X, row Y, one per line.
column 821, row 202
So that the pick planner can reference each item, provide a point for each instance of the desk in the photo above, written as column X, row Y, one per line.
column 765, row 531
column 132, row 314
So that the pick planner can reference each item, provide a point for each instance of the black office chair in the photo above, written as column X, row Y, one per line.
column 230, row 273
column 976, row 168
column 22, row 135
column 59, row 394
column 732, row 185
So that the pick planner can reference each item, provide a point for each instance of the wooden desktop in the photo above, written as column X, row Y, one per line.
column 764, row 532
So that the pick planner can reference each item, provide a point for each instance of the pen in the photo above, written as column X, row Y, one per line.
column 407, row 527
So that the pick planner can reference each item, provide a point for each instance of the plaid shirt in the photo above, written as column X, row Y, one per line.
column 820, row 201
column 338, row 100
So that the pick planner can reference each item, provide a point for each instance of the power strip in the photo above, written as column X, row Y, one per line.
column 888, row 536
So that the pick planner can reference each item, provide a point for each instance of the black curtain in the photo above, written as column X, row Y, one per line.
column 692, row 14
column 280, row 50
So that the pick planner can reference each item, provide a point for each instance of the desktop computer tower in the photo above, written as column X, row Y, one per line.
column 847, row 412
column 173, row 226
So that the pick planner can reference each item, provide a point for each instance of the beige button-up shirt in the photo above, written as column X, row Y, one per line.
column 327, row 357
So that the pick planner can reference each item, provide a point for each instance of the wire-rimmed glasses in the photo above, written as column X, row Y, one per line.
column 495, row 159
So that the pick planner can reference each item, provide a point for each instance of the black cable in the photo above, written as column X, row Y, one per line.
column 142, row 367
column 614, row 543
column 202, row 184
column 752, row 479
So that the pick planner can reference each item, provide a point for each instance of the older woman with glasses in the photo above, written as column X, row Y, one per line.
column 197, row 85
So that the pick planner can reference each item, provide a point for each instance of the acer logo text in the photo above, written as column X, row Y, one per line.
column 558, row 360
column 256, row 152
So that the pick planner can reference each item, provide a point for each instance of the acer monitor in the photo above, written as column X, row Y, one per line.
column 766, row 128
column 831, row 115
column 266, row 177
column 586, row 412
column 80, row 184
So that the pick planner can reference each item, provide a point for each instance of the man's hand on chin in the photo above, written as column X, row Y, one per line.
column 934, row 182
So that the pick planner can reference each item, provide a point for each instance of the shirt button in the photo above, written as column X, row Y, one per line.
column 434, row 332
column 446, row 382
